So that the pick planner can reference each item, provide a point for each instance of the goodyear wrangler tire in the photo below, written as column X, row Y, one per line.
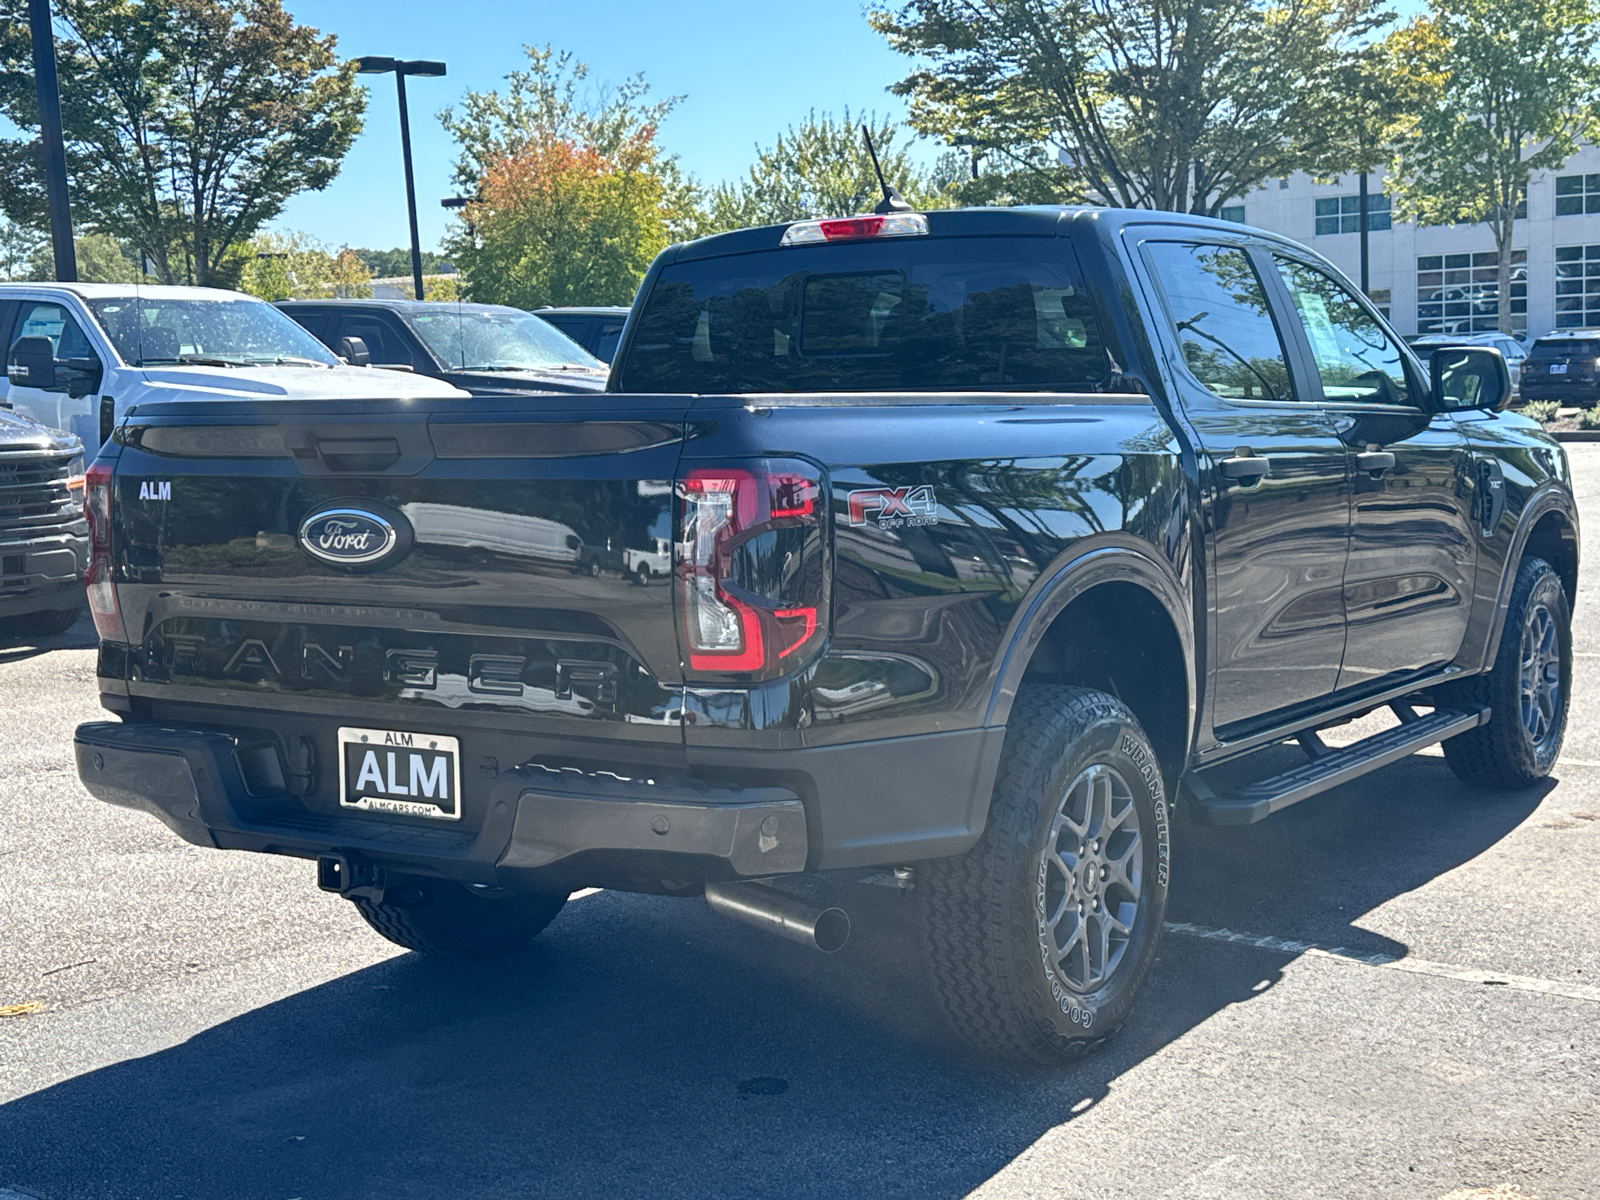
column 1526, row 690
column 1040, row 938
column 452, row 920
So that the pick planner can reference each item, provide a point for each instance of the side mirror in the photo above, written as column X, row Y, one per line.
column 1469, row 377
column 32, row 363
column 354, row 351
column 86, row 374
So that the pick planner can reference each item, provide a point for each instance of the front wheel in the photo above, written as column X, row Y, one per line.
column 1040, row 938
column 457, row 920
column 1526, row 690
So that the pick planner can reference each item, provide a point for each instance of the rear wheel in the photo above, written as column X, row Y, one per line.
column 1040, row 938
column 1526, row 690
column 642, row 575
column 40, row 624
column 456, row 920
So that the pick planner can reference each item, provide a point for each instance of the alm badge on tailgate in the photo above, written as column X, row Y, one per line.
column 391, row 771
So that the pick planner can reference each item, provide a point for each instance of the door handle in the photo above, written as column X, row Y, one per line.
column 1245, row 466
column 1374, row 461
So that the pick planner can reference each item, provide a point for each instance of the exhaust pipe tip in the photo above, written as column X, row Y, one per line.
column 825, row 929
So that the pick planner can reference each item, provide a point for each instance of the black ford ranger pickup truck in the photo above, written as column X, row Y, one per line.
column 992, row 533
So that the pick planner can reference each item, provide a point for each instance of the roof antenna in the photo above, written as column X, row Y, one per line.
column 892, row 201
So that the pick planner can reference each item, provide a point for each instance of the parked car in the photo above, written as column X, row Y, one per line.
column 1510, row 349
column 74, row 345
column 482, row 348
column 595, row 329
column 1564, row 366
column 44, row 543
column 645, row 565
column 993, row 533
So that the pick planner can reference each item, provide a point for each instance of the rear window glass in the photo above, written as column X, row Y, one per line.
column 1566, row 348
column 964, row 314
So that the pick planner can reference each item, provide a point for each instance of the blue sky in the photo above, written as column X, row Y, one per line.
column 747, row 70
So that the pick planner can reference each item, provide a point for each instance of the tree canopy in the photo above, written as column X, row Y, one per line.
column 1505, row 88
column 1136, row 103
column 821, row 168
column 188, row 123
column 573, row 195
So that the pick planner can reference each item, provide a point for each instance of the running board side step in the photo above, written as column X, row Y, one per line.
column 1327, row 769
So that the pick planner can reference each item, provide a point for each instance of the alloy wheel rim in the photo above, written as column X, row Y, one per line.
column 1539, row 675
column 1091, row 879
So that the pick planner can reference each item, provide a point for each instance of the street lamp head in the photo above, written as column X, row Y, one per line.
column 421, row 67
column 459, row 201
column 374, row 64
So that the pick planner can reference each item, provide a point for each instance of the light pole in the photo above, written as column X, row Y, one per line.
column 55, row 155
column 377, row 65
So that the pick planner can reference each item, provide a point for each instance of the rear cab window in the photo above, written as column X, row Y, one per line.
column 949, row 314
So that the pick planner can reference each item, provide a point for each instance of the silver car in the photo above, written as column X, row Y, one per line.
column 1510, row 349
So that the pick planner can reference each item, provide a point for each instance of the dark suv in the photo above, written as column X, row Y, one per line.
column 596, row 329
column 1564, row 367
column 481, row 348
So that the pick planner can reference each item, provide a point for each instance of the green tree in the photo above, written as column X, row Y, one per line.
column 1511, row 87
column 574, row 196
column 292, row 266
column 385, row 264
column 101, row 259
column 188, row 123
column 1136, row 103
column 18, row 245
column 820, row 168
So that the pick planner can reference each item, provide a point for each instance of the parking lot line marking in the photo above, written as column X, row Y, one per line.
column 1388, row 962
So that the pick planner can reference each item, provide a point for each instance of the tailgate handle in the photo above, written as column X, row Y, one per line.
column 359, row 454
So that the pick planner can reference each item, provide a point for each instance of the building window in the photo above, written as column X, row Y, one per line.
column 1459, row 293
column 1576, row 194
column 1283, row 184
column 1342, row 214
column 1380, row 300
column 1232, row 212
column 1577, row 286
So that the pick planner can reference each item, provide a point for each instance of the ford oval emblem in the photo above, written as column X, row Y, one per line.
column 363, row 536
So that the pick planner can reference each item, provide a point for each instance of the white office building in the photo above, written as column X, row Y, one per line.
column 1441, row 278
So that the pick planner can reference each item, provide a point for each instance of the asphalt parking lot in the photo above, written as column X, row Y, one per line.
column 1391, row 991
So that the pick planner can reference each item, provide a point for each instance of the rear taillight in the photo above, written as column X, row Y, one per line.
column 102, row 595
column 752, row 577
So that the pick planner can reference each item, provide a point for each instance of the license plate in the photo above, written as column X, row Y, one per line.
column 1558, row 368
column 409, row 774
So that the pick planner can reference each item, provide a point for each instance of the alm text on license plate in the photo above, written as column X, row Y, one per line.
column 1558, row 368
column 392, row 771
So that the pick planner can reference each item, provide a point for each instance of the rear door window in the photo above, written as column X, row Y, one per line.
column 1224, row 324
column 947, row 314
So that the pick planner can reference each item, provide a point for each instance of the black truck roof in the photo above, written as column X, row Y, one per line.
column 1032, row 220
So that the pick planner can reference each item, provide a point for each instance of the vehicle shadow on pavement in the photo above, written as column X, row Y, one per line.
column 17, row 648
column 646, row 1046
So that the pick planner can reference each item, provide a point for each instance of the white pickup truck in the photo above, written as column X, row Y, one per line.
column 70, row 346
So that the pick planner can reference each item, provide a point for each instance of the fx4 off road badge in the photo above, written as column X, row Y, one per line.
column 894, row 508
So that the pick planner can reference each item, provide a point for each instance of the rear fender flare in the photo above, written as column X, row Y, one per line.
column 1088, row 567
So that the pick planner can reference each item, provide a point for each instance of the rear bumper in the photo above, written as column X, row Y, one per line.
column 540, row 829
column 1542, row 387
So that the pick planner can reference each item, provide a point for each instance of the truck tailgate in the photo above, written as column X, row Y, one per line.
column 240, row 538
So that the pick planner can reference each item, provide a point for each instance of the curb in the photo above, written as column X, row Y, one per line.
column 1576, row 435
